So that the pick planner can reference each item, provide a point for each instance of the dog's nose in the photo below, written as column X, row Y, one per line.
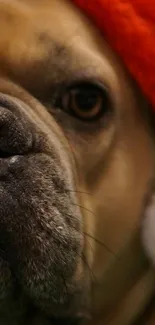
column 15, row 136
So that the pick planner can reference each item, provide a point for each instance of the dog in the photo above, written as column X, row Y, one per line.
column 76, row 174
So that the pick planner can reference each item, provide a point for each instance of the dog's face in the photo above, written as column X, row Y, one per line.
column 75, row 169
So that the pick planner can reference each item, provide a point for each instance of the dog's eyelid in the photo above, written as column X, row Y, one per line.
column 77, row 79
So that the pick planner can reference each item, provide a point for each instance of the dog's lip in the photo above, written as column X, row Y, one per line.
column 9, row 159
column 7, row 162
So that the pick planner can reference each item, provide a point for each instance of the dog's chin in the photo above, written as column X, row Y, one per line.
column 41, row 240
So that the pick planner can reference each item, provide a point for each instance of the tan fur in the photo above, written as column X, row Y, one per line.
column 114, row 164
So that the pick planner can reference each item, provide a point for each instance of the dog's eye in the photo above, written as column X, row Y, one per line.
column 85, row 101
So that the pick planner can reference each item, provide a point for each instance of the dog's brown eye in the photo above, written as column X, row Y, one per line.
column 85, row 101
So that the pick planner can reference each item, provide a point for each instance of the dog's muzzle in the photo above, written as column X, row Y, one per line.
column 40, row 222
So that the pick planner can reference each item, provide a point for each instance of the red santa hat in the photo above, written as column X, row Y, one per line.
column 129, row 27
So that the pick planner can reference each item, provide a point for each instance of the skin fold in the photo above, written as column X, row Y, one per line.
column 73, row 193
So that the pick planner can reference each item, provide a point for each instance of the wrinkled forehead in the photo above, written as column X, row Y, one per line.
column 37, row 26
column 56, row 21
column 47, row 40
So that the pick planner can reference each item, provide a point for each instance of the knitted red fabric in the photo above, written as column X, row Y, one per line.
column 129, row 26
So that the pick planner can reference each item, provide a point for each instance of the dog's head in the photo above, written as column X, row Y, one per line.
column 75, row 160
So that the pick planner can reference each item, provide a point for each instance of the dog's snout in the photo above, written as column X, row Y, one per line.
column 15, row 137
column 40, row 225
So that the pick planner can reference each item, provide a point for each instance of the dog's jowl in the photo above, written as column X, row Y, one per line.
column 76, row 173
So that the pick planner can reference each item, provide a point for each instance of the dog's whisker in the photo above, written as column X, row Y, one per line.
column 81, row 192
column 95, row 239
column 84, row 208
column 92, row 275
column 84, row 259
column 80, row 232
column 100, row 243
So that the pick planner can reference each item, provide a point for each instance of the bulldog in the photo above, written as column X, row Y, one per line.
column 76, row 173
